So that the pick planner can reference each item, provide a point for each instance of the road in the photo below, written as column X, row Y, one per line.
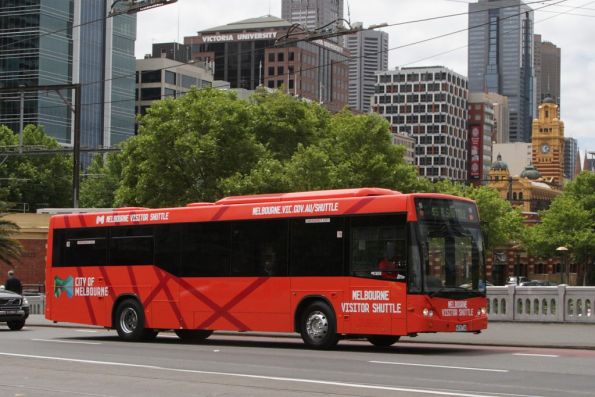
column 54, row 361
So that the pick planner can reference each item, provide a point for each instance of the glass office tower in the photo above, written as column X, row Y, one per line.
column 47, row 42
column 501, row 58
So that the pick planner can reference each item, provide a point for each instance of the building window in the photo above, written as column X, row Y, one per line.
column 271, row 57
column 291, row 56
column 271, row 71
column 280, row 70
column 151, row 76
column 281, row 57
column 271, row 84
column 150, row 94
column 170, row 77
column 291, row 84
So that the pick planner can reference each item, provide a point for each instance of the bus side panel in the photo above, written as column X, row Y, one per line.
column 237, row 303
column 332, row 288
column 376, row 307
column 79, row 295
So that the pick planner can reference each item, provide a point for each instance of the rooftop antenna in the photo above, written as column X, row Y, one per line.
column 348, row 12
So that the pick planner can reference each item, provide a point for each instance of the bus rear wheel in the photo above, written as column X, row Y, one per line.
column 383, row 340
column 193, row 335
column 318, row 326
column 130, row 321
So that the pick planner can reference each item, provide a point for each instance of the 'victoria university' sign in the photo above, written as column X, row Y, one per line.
column 220, row 38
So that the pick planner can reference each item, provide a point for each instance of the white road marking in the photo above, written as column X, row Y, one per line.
column 263, row 377
column 67, row 341
column 535, row 355
column 86, row 330
column 440, row 366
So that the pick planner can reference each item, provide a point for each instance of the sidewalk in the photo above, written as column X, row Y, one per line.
column 547, row 335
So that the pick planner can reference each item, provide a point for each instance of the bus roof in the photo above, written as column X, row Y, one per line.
column 313, row 195
column 261, row 206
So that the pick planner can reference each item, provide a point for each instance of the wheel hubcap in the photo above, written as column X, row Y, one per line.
column 128, row 320
column 317, row 325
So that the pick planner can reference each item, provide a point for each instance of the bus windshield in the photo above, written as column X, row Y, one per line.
column 452, row 248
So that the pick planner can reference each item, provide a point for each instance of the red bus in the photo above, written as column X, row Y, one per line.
column 368, row 263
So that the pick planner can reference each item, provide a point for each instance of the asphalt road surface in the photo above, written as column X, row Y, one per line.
column 46, row 361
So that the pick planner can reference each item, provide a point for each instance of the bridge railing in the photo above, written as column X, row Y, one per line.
column 542, row 304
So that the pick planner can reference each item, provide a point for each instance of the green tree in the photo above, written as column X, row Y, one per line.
column 39, row 180
column 569, row 222
column 500, row 222
column 10, row 249
column 99, row 187
column 208, row 144
column 186, row 148
column 282, row 122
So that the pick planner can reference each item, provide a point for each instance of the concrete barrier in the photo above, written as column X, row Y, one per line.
column 541, row 304
column 36, row 304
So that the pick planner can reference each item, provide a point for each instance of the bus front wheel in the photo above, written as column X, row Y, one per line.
column 193, row 335
column 318, row 326
column 130, row 321
column 383, row 340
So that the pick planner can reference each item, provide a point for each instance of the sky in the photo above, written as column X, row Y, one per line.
column 569, row 24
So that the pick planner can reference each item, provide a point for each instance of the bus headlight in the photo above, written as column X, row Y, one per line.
column 481, row 312
column 427, row 312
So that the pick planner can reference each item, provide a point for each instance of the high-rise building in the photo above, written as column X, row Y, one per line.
column 548, row 143
column 428, row 104
column 369, row 54
column 500, row 58
column 500, row 107
column 312, row 14
column 245, row 55
column 164, row 76
column 571, row 156
column 547, row 71
column 481, row 131
column 48, row 42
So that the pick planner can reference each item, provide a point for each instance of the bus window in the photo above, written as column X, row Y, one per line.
column 131, row 245
column 379, row 247
column 317, row 247
column 85, row 247
column 167, row 247
column 205, row 250
column 259, row 248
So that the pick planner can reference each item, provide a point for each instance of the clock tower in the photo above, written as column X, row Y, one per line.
column 548, row 143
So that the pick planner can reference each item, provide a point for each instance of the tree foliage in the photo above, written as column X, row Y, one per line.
column 39, row 180
column 208, row 144
column 568, row 222
column 10, row 249
column 501, row 223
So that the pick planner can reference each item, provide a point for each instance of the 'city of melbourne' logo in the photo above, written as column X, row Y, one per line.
column 63, row 286
column 100, row 220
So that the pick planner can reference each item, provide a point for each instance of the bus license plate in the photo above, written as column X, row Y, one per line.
column 461, row 328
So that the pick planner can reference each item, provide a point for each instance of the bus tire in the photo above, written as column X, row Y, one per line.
column 16, row 325
column 318, row 326
column 130, row 321
column 383, row 340
column 193, row 335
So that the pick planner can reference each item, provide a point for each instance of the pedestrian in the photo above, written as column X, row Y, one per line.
column 13, row 284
